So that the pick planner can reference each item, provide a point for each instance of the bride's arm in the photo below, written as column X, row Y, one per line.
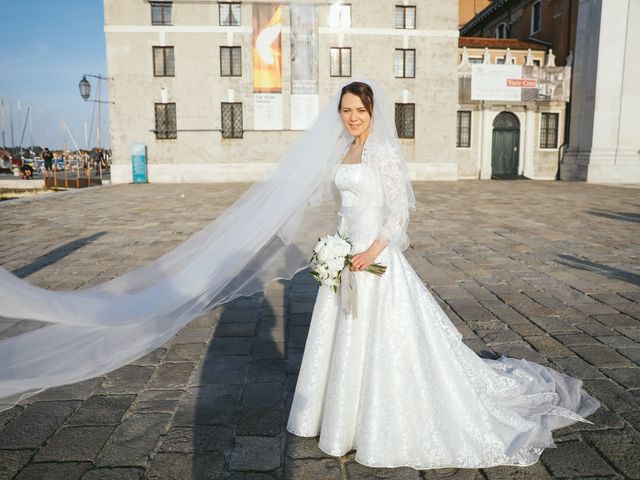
column 395, row 194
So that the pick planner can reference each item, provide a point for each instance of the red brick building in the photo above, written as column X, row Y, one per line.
column 551, row 23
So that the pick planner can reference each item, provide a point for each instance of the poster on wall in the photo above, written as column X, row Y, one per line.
column 267, row 111
column 267, row 48
column 304, row 65
column 496, row 82
column 267, row 66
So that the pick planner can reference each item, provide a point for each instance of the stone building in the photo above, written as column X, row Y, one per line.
column 216, row 90
column 511, row 109
column 598, row 38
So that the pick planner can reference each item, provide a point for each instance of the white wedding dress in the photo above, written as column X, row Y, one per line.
column 397, row 384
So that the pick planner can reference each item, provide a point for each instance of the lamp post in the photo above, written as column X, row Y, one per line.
column 85, row 93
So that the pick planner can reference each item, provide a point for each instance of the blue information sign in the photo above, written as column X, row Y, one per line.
column 139, row 162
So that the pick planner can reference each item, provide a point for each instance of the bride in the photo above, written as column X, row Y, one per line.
column 386, row 373
column 384, row 370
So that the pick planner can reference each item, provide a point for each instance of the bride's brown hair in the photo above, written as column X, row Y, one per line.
column 362, row 91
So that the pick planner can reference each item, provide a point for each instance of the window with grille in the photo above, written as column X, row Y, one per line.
column 230, row 61
column 163, row 62
column 405, row 120
column 232, row 120
column 166, row 121
column 340, row 61
column 549, row 130
column 161, row 13
column 405, row 63
column 463, row 130
column 536, row 17
column 229, row 14
column 405, row 16
column 340, row 16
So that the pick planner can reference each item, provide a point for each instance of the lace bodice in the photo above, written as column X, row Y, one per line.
column 347, row 181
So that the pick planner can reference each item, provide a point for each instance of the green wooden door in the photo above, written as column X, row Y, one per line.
column 505, row 146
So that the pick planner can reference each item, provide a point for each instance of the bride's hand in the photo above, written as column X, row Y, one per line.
column 361, row 261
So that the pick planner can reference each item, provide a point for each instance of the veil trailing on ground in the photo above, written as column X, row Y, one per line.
column 267, row 234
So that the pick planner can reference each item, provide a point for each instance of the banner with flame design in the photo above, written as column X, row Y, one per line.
column 267, row 48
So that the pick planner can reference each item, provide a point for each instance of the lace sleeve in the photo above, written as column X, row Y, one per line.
column 394, row 226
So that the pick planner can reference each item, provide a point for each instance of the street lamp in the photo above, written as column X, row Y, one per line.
column 85, row 88
column 85, row 93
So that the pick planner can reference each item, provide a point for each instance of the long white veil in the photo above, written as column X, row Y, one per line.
column 267, row 234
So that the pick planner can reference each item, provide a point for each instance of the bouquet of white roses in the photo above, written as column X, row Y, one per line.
column 330, row 256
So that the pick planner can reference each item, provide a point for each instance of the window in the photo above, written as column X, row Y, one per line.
column 232, row 120
column 340, row 16
column 340, row 61
column 536, row 17
column 230, row 62
column 549, row 130
column 405, row 120
column 536, row 62
column 503, row 30
column 405, row 16
column 229, row 14
column 476, row 59
column 500, row 60
column 163, row 62
column 463, row 129
column 161, row 13
column 405, row 63
column 166, row 121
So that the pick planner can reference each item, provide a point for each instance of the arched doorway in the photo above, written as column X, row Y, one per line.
column 505, row 146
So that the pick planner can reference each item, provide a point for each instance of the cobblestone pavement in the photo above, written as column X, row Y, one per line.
column 546, row 271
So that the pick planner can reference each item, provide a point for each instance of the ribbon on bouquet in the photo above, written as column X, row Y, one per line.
column 349, row 292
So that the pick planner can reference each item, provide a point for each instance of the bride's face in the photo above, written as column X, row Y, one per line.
column 355, row 116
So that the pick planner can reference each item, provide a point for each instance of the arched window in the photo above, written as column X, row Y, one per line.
column 503, row 30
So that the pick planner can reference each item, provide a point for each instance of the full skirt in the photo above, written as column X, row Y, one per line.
column 396, row 383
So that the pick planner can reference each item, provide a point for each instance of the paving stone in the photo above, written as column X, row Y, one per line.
column 532, row 472
column 102, row 410
column 618, row 342
column 133, row 440
column 573, row 339
column 192, row 335
column 620, row 448
column 239, row 329
column 617, row 320
column 574, row 459
column 256, row 421
column 304, row 447
column 157, row 401
column 210, row 405
column 632, row 354
column 266, row 371
column 255, row 454
column 75, row 444
column 554, row 325
column 601, row 356
column 36, row 424
column 613, row 396
column 53, row 471
column 231, row 346
column 520, row 350
column 627, row 377
column 197, row 439
column 182, row 466
column 357, row 471
column 152, row 358
column 12, row 461
column 171, row 375
column 313, row 470
column 185, row 352
column 9, row 414
column 114, row 474
column 576, row 367
column 128, row 379
column 262, row 395
column 548, row 346
column 75, row 391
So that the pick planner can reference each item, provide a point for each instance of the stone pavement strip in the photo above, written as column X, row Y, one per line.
column 547, row 271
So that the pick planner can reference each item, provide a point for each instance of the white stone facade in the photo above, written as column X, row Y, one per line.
column 200, row 154
column 604, row 140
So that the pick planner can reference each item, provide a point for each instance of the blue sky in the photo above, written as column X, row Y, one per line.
column 45, row 47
